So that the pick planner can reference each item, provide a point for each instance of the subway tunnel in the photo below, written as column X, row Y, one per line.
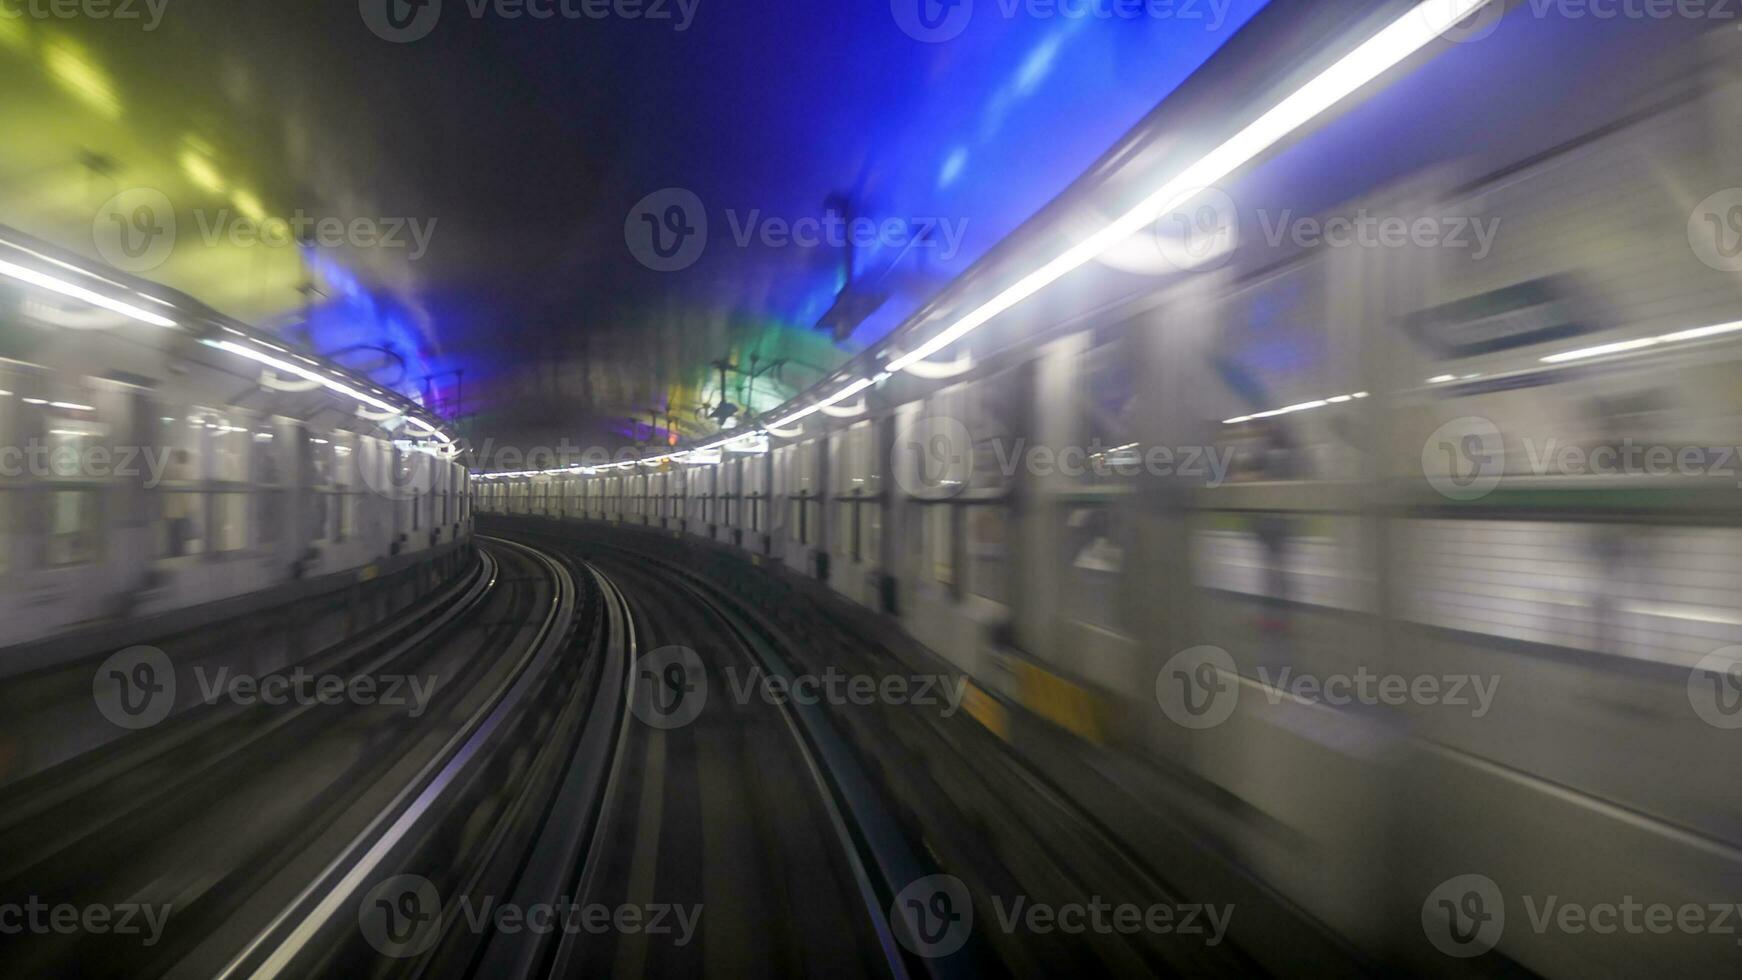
column 937, row 488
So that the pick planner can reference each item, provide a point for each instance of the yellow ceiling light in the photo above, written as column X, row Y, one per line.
column 14, row 34
column 80, row 77
column 199, row 169
column 249, row 205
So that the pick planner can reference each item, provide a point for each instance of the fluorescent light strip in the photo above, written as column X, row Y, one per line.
column 1300, row 407
column 1698, row 333
column 1600, row 350
column 65, row 288
column 282, row 365
column 51, row 260
column 301, row 372
column 1402, row 38
column 836, row 398
column 1622, row 346
column 632, row 463
column 719, row 443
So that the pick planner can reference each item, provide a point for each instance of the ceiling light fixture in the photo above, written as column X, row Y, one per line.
column 1403, row 37
column 61, row 286
column 1622, row 346
column 340, row 387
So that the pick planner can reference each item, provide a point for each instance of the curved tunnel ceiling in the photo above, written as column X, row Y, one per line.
column 479, row 199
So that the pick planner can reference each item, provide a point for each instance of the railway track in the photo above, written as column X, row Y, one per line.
column 235, row 817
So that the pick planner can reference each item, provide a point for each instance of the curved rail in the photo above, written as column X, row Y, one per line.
column 844, row 789
column 322, row 903
column 869, row 841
